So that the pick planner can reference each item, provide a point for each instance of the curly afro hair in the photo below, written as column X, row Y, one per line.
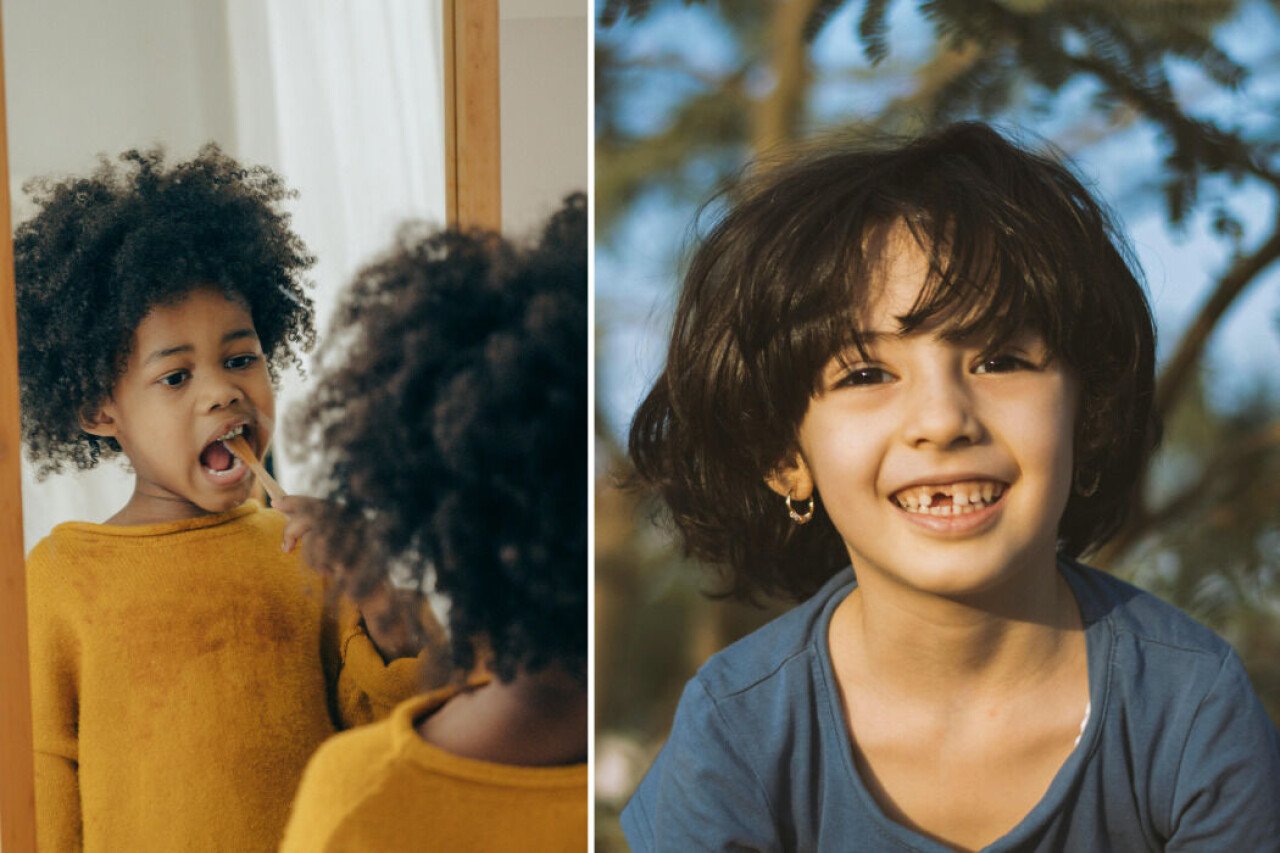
column 454, row 437
column 103, row 251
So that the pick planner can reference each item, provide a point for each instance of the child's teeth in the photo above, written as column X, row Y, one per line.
column 965, row 497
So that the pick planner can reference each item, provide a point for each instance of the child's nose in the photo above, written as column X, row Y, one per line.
column 941, row 414
column 219, row 393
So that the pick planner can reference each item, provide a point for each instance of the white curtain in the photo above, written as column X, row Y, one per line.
column 347, row 100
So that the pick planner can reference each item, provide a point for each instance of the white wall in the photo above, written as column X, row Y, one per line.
column 83, row 78
column 543, row 49
column 88, row 78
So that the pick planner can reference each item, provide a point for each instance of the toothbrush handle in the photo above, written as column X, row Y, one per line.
column 268, row 482
column 241, row 448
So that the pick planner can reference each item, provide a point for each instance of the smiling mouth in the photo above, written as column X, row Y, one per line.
column 949, row 499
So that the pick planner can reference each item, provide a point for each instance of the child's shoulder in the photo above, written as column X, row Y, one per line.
column 266, row 522
column 764, row 654
column 1140, row 615
column 249, row 515
column 349, row 770
column 350, row 762
column 83, row 545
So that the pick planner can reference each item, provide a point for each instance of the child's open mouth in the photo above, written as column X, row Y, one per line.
column 950, row 499
column 219, row 462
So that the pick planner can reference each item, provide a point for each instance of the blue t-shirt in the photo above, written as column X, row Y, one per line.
column 1177, row 754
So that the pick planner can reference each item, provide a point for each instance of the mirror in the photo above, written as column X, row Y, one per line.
column 345, row 101
column 471, row 112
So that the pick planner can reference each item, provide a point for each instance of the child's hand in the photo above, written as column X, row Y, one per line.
column 388, row 618
column 385, row 611
column 301, row 513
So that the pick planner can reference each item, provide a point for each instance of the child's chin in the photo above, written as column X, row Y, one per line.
column 223, row 502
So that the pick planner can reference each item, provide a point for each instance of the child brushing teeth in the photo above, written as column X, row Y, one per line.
column 184, row 668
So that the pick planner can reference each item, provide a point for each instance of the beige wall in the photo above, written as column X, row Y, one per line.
column 83, row 78
column 544, row 107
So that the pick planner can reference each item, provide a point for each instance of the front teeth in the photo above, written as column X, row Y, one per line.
column 966, row 497
column 231, row 433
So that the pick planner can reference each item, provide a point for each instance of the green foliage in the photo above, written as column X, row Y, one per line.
column 873, row 28
column 1220, row 561
column 709, row 125
column 1126, row 46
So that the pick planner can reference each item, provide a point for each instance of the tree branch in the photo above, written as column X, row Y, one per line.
column 778, row 114
column 1178, row 370
column 1232, row 149
column 673, row 62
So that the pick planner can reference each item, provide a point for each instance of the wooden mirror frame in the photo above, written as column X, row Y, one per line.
column 473, row 199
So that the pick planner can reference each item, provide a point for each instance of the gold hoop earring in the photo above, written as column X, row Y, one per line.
column 797, row 517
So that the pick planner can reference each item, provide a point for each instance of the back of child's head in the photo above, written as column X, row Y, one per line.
column 102, row 251
column 1014, row 242
column 454, row 434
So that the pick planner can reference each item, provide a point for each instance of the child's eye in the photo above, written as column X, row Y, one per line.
column 1002, row 364
column 239, row 362
column 865, row 376
column 175, row 379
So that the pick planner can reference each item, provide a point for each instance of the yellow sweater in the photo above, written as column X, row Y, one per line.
column 182, row 675
column 383, row 788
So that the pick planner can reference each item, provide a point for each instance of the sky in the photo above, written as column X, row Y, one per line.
column 636, row 270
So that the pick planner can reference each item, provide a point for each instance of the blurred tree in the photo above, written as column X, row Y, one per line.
column 1206, row 534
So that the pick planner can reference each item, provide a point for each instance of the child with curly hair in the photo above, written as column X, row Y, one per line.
column 184, row 665
column 931, row 360
column 456, row 434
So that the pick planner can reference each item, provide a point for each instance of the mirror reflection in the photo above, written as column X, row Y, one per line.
column 344, row 101
column 198, row 186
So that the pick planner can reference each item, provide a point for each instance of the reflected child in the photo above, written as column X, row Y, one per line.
column 456, row 433
column 931, row 361
column 184, row 666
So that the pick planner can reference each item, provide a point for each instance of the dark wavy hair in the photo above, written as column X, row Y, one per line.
column 454, row 437
column 102, row 251
column 1014, row 241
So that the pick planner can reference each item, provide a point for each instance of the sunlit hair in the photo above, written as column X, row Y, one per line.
column 1014, row 242
column 453, row 435
column 103, row 250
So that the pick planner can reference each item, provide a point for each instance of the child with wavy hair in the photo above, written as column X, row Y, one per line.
column 932, row 361
column 183, row 665
column 454, row 435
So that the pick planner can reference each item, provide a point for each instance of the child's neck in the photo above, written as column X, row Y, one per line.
column 536, row 720
column 960, row 713
column 146, row 508
column 1008, row 639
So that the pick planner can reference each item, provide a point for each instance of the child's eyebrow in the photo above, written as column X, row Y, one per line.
column 238, row 334
column 863, row 340
column 234, row 335
column 866, row 338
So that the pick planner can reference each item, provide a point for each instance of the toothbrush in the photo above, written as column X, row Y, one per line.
column 240, row 447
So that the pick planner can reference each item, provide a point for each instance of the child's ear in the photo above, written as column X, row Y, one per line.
column 98, row 420
column 791, row 478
